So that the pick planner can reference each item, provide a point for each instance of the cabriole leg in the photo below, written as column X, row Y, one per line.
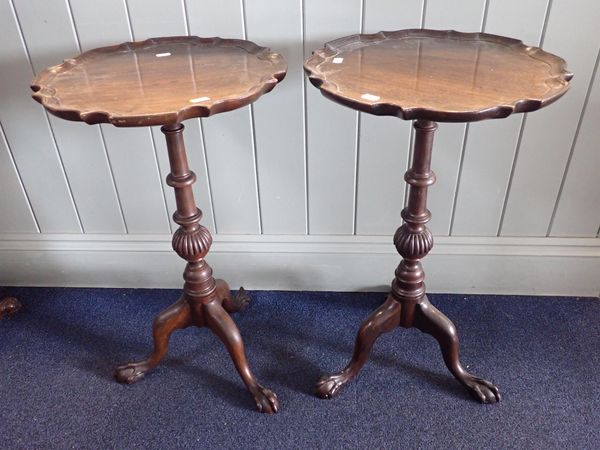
column 384, row 319
column 175, row 317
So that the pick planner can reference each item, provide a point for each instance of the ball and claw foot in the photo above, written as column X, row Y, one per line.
column 240, row 300
column 329, row 386
column 9, row 306
column 482, row 390
column 132, row 372
column 232, row 303
column 266, row 400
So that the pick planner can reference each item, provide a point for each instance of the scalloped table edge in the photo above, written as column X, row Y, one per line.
column 558, row 66
column 46, row 96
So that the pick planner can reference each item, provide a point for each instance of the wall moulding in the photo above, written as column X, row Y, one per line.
column 528, row 266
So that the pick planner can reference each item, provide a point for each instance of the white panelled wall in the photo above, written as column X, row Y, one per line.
column 300, row 192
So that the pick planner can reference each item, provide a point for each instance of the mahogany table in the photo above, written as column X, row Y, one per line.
column 429, row 76
column 163, row 81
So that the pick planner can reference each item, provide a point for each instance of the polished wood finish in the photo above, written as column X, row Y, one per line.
column 428, row 75
column 407, row 305
column 205, row 302
column 9, row 306
column 444, row 76
column 162, row 81
column 159, row 81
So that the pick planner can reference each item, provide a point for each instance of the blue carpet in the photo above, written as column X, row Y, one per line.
column 57, row 357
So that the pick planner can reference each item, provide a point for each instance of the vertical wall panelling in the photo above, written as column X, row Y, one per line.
column 331, row 128
column 29, row 136
column 578, row 208
column 16, row 215
column 131, row 150
column 459, row 15
column 487, row 162
column 463, row 15
column 228, row 136
column 278, row 118
column 154, row 18
column 523, row 188
column 136, row 174
column 383, row 141
column 572, row 32
column 50, row 38
column 167, row 18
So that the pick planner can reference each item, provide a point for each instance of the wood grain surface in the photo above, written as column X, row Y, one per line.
column 159, row 81
column 444, row 76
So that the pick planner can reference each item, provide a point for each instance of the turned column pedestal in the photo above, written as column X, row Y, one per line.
column 205, row 302
column 407, row 305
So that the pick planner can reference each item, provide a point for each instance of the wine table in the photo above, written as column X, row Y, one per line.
column 428, row 76
column 164, row 81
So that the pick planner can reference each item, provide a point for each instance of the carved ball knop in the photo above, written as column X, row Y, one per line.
column 413, row 245
column 192, row 245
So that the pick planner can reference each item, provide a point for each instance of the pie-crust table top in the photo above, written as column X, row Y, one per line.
column 444, row 76
column 159, row 81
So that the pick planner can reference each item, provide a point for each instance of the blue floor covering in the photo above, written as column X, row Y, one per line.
column 57, row 356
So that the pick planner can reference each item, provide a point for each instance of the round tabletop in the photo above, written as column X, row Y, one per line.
column 444, row 76
column 159, row 81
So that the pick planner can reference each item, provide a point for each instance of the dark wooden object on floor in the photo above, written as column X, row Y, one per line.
column 429, row 76
column 163, row 81
column 9, row 306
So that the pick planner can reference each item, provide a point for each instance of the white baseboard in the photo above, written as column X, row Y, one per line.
column 532, row 266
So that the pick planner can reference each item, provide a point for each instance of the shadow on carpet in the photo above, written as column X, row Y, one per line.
column 58, row 354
